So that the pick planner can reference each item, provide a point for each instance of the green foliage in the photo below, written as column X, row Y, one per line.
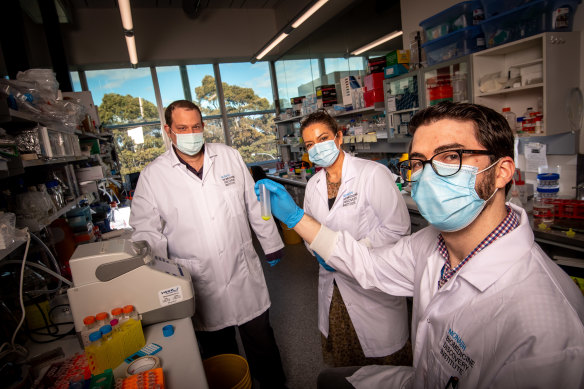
column 254, row 136
column 118, row 109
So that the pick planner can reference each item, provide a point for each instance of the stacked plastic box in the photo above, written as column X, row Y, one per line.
column 509, row 20
column 471, row 26
column 454, row 32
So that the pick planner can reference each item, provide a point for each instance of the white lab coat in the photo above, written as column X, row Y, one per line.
column 203, row 225
column 369, row 207
column 510, row 318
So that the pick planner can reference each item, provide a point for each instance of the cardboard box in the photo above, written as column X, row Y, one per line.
column 396, row 70
column 326, row 90
column 88, row 187
column 373, row 96
column 296, row 100
column 373, row 81
column 376, row 65
column 89, row 173
column 348, row 84
column 397, row 56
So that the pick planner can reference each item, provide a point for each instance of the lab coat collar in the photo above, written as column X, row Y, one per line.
column 208, row 157
column 347, row 174
column 490, row 264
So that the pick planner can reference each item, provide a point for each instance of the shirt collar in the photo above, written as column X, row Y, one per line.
column 507, row 225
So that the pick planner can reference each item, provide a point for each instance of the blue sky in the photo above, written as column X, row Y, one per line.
column 138, row 82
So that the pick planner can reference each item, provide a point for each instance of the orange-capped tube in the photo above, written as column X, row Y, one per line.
column 102, row 318
column 89, row 322
column 117, row 312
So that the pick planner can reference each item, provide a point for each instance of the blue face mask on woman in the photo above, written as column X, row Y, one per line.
column 190, row 143
column 324, row 153
column 448, row 203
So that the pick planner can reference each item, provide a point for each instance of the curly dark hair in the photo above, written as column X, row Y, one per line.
column 491, row 128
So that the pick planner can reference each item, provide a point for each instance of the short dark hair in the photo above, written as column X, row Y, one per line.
column 491, row 128
column 179, row 104
column 320, row 116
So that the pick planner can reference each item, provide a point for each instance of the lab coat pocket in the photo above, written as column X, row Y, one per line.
column 235, row 201
column 252, row 261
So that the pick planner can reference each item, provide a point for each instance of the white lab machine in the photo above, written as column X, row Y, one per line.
column 116, row 273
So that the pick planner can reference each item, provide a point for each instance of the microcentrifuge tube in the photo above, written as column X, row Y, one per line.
column 265, row 202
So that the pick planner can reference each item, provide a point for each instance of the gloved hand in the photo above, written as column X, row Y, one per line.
column 283, row 206
column 274, row 258
column 323, row 263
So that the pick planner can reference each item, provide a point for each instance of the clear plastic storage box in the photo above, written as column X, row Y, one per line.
column 454, row 45
column 452, row 19
column 529, row 19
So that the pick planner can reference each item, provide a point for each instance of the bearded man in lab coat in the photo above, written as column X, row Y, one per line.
column 491, row 310
column 194, row 204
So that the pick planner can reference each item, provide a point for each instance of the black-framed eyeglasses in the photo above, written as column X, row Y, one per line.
column 445, row 163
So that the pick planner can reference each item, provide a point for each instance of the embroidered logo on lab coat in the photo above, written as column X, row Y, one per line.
column 350, row 198
column 228, row 179
column 453, row 350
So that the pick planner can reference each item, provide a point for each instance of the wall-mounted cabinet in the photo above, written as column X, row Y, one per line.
column 402, row 101
column 543, row 69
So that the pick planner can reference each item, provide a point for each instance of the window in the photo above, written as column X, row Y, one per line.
column 350, row 66
column 254, row 136
column 75, row 82
column 170, row 83
column 247, row 87
column 296, row 78
column 123, row 96
column 250, row 109
column 137, row 146
column 203, row 88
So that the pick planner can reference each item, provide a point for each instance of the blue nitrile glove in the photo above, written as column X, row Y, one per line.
column 274, row 258
column 283, row 206
column 323, row 263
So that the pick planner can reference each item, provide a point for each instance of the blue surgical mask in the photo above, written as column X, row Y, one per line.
column 324, row 153
column 190, row 143
column 448, row 203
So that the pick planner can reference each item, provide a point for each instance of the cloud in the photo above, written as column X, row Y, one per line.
column 112, row 79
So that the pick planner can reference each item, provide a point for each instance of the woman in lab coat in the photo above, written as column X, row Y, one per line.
column 358, row 326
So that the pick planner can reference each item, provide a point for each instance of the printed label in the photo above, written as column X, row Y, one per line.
column 453, row 351
column 228, row 179
column 350, row 199
column 170, row 296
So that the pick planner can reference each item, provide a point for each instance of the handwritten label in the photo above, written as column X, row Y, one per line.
column 170, row 296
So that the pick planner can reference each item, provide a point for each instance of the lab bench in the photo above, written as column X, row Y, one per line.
column 179, row 358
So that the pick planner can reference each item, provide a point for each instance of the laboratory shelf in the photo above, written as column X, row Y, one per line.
column 511, row 90
column 405, row 110
column 18, row 241
column 48, row 220
column 42, row 162
column 289, row 120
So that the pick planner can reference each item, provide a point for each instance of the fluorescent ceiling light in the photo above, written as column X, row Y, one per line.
column 128, row 25
column 126, row 13
column 132, row 49
column 308, row 13
column 377, row 42
column 272, row 45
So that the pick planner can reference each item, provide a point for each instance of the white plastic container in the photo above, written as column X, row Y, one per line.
column 511, row 118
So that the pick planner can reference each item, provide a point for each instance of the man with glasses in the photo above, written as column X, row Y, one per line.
column 195, row 204
column 490, row 308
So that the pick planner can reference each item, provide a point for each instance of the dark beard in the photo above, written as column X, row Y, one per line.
column 486, row 188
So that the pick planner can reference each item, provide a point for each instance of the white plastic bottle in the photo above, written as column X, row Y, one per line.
column 511, row 118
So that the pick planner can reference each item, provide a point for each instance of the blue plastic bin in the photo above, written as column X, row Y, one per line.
column 495, row 7
column 454, row 45
column 452, row 19
column 529, row 19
